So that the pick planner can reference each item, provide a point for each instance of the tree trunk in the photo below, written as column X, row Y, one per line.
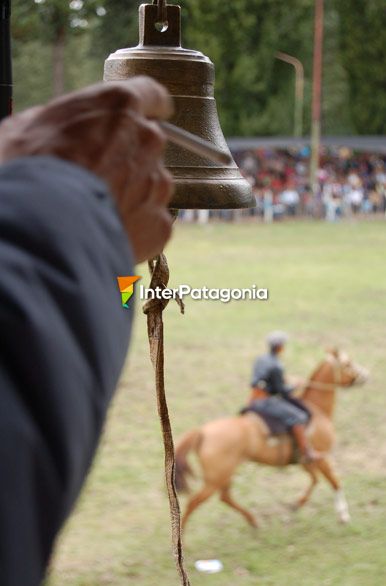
column 58, row 62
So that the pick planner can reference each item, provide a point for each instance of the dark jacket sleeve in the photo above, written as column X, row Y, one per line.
column 63, row 341
column 277, row 385
column 258, row 372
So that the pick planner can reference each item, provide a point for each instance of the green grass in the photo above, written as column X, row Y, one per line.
column 327, row 287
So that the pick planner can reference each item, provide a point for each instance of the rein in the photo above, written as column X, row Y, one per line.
column 325, row 386
column 319, row 385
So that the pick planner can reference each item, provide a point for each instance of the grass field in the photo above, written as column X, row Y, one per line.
column 327, row 287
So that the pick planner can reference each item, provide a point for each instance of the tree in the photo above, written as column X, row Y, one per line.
column 242, row 38
column 119, row 27
column 254, row 90
column 55, row 21
column 363, row 47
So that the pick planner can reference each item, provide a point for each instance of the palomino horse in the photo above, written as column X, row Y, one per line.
column 223, row 444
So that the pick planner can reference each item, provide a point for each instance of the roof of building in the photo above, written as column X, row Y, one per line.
column 376, row 144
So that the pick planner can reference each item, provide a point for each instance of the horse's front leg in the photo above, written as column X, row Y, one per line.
column 310, row 468
column 341, row 505
column 226, row 497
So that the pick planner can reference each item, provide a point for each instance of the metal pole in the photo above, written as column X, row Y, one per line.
column 299, row 90
column 316, row 95
column 5, row 59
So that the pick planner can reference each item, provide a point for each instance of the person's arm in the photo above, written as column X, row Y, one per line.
column 277, row 384
column 81, row 179
column 63, row 341
column 258, row 373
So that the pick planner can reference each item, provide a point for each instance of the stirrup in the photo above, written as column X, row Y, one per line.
column 310, row 457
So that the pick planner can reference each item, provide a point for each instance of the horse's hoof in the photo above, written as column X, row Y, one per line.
column 253, row 523
column 345, row 518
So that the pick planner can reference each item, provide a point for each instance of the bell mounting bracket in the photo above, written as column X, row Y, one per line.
column 149, row 33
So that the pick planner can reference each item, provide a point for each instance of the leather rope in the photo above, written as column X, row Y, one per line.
column 153, row 309
column 319, row 386
column 325, row 386
column 162, row 14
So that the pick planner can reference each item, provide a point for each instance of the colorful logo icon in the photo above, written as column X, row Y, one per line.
column 126, row 287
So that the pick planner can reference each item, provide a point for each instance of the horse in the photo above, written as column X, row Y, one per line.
column 222, row 445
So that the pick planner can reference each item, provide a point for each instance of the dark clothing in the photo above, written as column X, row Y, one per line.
column 63, row 341
column 268, row 373
column 281, row 409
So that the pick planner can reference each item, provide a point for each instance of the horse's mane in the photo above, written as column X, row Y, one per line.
column 316, row 370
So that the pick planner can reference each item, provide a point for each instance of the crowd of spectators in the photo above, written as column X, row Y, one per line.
column 347, row 184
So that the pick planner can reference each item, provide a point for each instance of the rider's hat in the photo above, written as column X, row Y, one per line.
column 277, row 338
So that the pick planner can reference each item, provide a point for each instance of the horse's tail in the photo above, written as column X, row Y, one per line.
column 189, row 441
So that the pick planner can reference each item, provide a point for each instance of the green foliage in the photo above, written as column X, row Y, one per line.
column 335, row 109
column 254, row 90
column 31, row 75
column 241, row 39
column 118, row 28
column 32, row 71
column 48, row 18
column 363, row 43
column 53, row 35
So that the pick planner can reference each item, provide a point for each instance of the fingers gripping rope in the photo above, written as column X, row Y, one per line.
column 153, row 308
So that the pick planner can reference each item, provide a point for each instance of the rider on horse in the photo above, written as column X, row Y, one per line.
column 272, row 397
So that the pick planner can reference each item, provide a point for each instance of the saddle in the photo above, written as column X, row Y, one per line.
column 275, row 425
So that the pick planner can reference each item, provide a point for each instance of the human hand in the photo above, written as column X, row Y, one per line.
column 295, row 381
column 109, row 129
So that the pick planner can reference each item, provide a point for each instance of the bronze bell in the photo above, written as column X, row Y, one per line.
column 189, row 77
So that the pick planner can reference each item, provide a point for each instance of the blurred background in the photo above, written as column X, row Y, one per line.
column 263, row 51
column 326, row 279
column 60, row 45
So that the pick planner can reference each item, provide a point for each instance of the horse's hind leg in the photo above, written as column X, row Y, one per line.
column 197, row 500
column 225, row 496
column 310, row 468
column 341, row 505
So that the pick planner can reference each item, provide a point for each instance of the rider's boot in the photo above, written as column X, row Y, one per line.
column 308, row 454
